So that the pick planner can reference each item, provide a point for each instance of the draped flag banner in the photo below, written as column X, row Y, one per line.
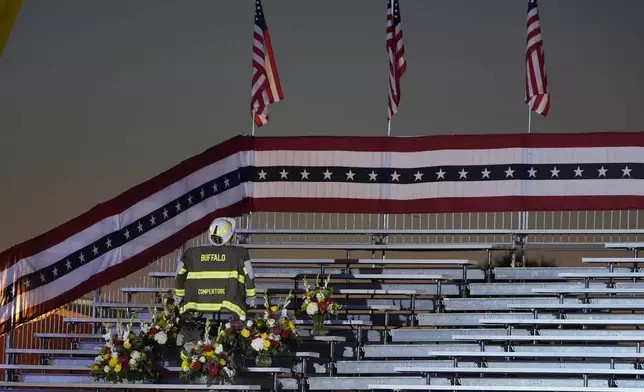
column 523, row 172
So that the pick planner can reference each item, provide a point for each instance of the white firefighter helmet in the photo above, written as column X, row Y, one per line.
column 221, row 231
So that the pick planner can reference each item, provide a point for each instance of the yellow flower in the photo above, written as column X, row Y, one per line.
column 222, row 362
column 143, row 356
column 245, row 333
column 184, row 364
column 274, row 308
column 264, row 335
column 117, row 368
column 291, row 325
column 209, row 354
column 127, row 345
column 106, row 357
column 267, row 343
column 112, row 362
column 95, row 368
column 223, row 333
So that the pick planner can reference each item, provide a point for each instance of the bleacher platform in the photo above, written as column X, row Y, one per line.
column 410, row 324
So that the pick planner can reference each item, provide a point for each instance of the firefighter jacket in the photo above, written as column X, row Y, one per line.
column 214, row 278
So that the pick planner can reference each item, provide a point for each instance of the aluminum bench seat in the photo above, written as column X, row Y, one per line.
column 498, row 388
column 68, row 335
column 525, row 289
column 367, row 306
column 590, row 291
column 98, row 386
column 460, row 262
column 580, row 337
column 323, row 383
column 624, row 245
column 51, row 351
column 427, row 351
column 545, row 273
column 46, row 368
column 520, row 370
column 612, row 260
column 602, row 275
column 580, row 321
column 579, row 306
column 347, row 291
column 499, row 303
column 387, row 367
column 467, row 319
column 446, row 335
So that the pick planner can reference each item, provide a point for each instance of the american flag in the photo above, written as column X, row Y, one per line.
column 536, row 81
column 395, row 175
column 266, row 87
column 396, row 52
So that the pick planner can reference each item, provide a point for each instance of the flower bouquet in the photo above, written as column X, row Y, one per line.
column 122, row 358
column 319, row 304
column 160, row 333
column 208, row 360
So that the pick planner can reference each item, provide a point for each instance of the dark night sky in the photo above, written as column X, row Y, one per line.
column 97, row 96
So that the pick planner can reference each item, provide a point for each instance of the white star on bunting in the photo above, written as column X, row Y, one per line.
column 372, row 176
column 462, row 174
column 626, row 171
column 395, row 176
column 262, row 174
column 418, row 176
column 440, row 174
column 509, row 172
column 555, row 172
column 305, row 174
column 327, row 174
column 532, row 172
column 283, row 174
column 602, row 172
column 350, row 175
column 485, row 173
column 578, row 171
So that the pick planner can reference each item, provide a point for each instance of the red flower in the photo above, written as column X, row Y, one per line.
column 286, row 333
column 213, row 371
column 196, row 366
column 277, row 330
column 233, row 331
column 123, row 360
column 329, row 300
column 314, row 298
column 323, row 306
column 116, row 341
column 207, row 348
column 153, row 331
column 107, row 350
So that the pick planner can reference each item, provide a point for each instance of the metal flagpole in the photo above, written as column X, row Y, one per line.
column 252, row 131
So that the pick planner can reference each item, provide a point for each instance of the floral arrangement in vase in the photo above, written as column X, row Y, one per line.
column 123, row 358
column 318, row 303
column 208, row 361
column 160, row 333
column 265, row 336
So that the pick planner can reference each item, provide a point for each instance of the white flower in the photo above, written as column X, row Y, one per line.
column 161, row 337
column 114, row 354
column 249, row 323
column 195, row 358
column 186, row 368
column 135, row 354
column 98, row 359
column 271, row 322
column 312, row 308
column 265, row 315
column 208, row 342
column 132, row 362
column 202, row 359
column 106, row 369
column 219, row 349
column 257, row 344
column 107, row 336
column 319, row 296
column 145, row 327
column 242, row 317
column 227, row 326
column 229, row 372
column 274, row 337
column 284, row 313
column 200, row 343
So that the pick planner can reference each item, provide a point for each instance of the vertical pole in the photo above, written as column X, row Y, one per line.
column 252, row 131
column 526, row 213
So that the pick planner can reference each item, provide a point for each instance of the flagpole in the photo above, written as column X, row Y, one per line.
column 252, row 131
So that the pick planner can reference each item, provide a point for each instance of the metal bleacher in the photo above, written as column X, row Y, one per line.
column 414, row 324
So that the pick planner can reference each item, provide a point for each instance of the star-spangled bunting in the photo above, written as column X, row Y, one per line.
column 421, row 175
